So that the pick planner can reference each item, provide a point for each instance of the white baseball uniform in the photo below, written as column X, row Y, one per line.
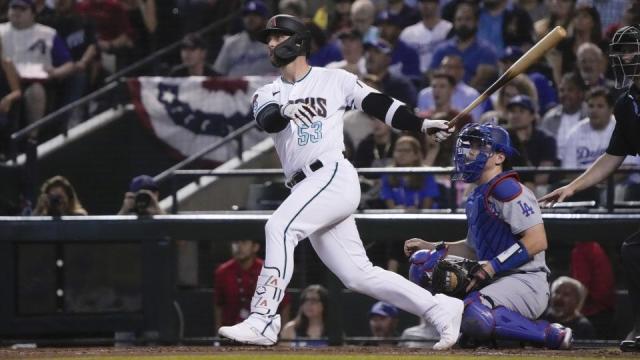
column 321, row 206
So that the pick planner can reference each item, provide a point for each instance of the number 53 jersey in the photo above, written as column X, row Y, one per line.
column 329, row 92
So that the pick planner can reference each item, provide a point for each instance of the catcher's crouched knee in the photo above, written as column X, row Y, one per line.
column 477, row 319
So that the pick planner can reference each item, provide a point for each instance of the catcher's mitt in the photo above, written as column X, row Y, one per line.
column 451, row 277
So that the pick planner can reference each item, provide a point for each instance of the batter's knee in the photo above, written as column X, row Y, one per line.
column 477, row 318
column 274, row 227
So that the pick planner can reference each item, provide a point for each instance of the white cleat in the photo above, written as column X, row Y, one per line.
column 252, row 332
column 447, row 317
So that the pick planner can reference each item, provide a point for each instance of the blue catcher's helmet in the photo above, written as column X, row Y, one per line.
column 475, row 145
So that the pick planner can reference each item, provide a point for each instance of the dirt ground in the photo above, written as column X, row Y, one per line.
column 51, row 352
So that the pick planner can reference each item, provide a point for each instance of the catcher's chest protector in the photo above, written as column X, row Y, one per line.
column 490, row 234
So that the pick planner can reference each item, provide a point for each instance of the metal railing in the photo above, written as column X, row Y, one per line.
column 197, row 173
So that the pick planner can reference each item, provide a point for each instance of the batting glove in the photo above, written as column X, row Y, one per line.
column 300, row 113
column 438, row 128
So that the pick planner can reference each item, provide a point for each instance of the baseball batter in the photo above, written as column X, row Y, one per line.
column 303, row 111
column 509, row 287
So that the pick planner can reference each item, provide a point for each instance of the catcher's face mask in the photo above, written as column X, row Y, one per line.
column 471, row 154
column 624, row 53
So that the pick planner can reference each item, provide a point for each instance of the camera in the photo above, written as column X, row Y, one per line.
column 141, row 203
column 55, row 205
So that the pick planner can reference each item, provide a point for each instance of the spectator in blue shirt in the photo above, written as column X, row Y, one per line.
column 480, row 59
column 413, row 191
column 404, row 59
column 323, row 51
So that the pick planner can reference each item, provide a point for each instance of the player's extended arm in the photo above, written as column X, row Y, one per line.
column 598, row 171
column 393, row 112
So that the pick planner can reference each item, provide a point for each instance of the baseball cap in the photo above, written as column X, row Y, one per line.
column 22, row 3
column 512, row 53
column 385, row 17
column 384, row 309
column 522, row 101
column 255, row 7
column 192, row 41
column 379, row 45
column 143, row 182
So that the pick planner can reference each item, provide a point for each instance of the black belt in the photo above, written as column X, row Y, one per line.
column 300, row 175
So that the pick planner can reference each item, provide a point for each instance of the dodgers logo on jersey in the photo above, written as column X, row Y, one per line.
column 527, row 210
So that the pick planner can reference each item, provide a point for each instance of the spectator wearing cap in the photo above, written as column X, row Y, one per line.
column 406, row 14
column 479, row 57
column 547, row 94
column 383, row 320
column 425, row 35
column 39, row 55
column 463, row 94
column 352, row 52
column 193, row 53
column 502, row 23
column 404, row 59
column 323, row 50
column 534, row 146
column 363, row 16
column 142, row 197
column 242, row 54
column 378, row 60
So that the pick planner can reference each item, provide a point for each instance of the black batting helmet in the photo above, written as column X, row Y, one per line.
column 296, row 45
column 285, row 24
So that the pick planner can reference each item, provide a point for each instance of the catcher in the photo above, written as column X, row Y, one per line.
column 499, row 269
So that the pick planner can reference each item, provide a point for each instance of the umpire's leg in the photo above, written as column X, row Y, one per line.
column 631, row 265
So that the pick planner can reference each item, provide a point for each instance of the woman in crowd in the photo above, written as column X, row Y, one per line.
column 58, row 198
column 309, row 327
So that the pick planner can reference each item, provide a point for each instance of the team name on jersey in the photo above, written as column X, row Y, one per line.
column 318, row 104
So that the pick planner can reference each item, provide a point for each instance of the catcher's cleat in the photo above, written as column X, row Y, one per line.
column 254, row 331
column 558, row 337
column 631, row 345
column 446, row 317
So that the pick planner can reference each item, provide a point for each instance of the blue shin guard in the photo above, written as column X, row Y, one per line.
column 483, row 323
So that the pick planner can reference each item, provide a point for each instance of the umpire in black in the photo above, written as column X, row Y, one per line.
column 624, row 53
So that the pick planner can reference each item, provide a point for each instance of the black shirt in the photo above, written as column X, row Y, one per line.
column 625, row 139
column 538, row 148
column 76, row 31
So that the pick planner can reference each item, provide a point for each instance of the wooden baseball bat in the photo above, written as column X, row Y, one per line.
column 520, row 66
